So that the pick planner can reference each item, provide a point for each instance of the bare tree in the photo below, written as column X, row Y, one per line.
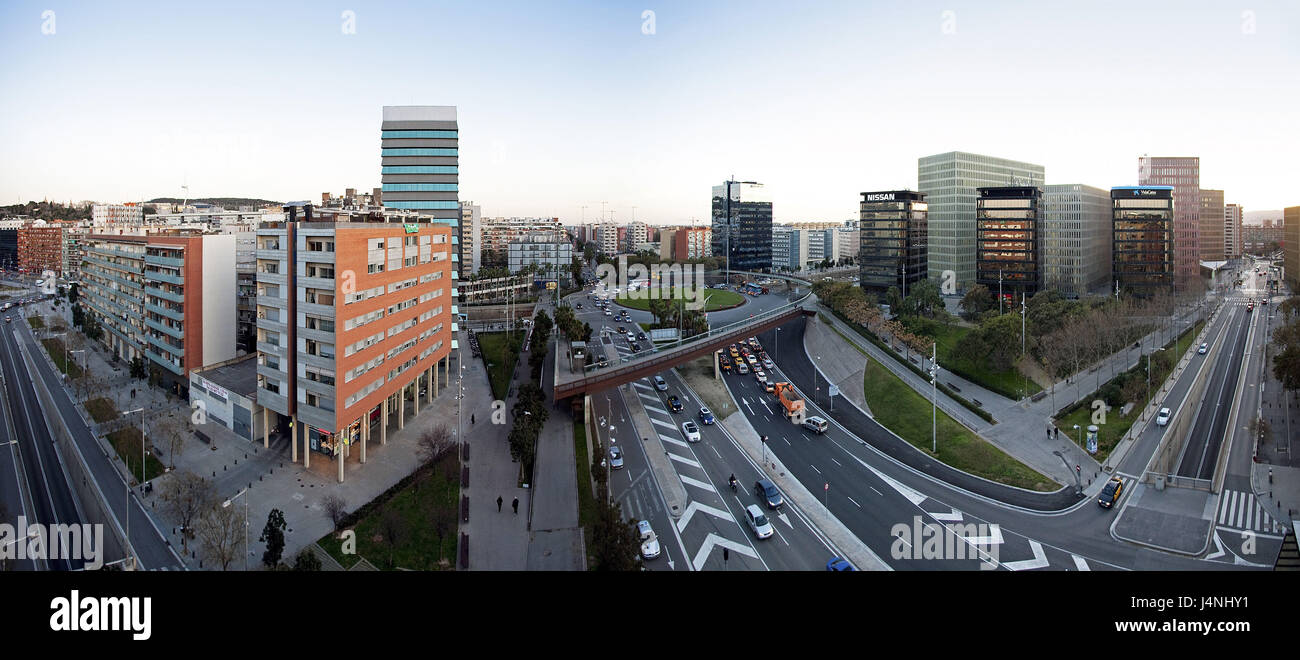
column 173, row 429
column 221, row 533
column 433, row 443
column 393, row 528
column 185, row 495
column 335, row 508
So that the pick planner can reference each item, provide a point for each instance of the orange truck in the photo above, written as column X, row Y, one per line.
column 793, row 403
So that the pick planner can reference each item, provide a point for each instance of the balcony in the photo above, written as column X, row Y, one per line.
column 161, row 327
column 161, row 276
column 318, row 256
column 276, row 254
column 272, row 349
column 166, row 295
column 271, row 324
column 320, row 418
column 272, row 401
column 178, row 351
column 111, row 252
column 316, row 282
column 164, row 362
column 164, row 261
column 171, row 314
column 272, row 278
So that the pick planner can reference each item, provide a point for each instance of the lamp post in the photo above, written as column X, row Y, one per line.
column 243, row 492
column 934, row 399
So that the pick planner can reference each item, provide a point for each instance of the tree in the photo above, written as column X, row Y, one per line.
column 978, row 299
column 335, row 508
column 173, row 430
column 616, row 543
column 306, row 560
column 273, row 537
column 184, row 496
column 138, row 369
column 895, row 300
column 221, row 533
column 433, row 443
column 393, row 529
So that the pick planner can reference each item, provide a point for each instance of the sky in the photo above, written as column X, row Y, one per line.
column 570, row 104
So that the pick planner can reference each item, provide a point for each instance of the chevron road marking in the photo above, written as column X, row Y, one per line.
column 696, row 506
column 911, row 495
column 1080, row 563
column 672, row 441
column 1039, row 560
column 955, row 516
column 683, row 459
column 714, row 540
column 698, row 484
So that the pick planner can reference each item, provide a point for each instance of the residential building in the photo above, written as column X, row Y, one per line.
column 1291, row 247
column 949, row 181
column 355, row 316
column 666, row 240
column 551, row 253
column 246, row 291
column 420, row 160
column 849, row 242
column 742, row 225
column 167, row 298
column 470, row 234
column 488, row 290
column 111, row 214
column 496, row 235
column 894, row 234
column 607, row 239
column 1211, row 229
column 73, row 239
column 1076, row 239
column 1184, row 174
column 1258, row 238
column 1009, row 240
column 40, row 249
column 692, row 243
column 1142, row 248
column 1232, row 238
column 637, row 233
column 227, row 392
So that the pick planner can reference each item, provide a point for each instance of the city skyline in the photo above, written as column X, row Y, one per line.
column 623, row 116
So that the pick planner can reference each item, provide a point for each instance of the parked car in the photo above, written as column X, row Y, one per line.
column 1110, row 494
column 661, row 384
column 674, row 403
column 758, row 522
column 1163, row 417
column 691, row 431
column 616, row 457
column 706, row 416
column 649, row 542
column 769, row 493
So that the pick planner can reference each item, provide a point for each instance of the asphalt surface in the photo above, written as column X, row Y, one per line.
column 1201, row 449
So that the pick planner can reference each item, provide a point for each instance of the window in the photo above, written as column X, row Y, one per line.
column 318, row 323
column 319, row 297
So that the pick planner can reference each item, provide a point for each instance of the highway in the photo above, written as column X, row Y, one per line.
column 1201, row 447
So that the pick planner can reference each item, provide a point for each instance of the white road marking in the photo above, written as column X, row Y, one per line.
column 955, row 516
column 672, row 441
column 877, row 492
column 696, row 506
column 663, row 424
column 683, row 459
column 837, row 462
column 855, row 502
column 815, row 468
column 698, row 484
column 713, row 540
column 911, row 495
column 1080, row 563
column 1039, row 560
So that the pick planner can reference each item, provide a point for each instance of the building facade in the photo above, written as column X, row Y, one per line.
column 1076, row 239
column 1291, row 247
column 949, row 181
column 607, row 238
column 355, row 316
column 789, row 248
column 552, row 254
column 111, row 214
column 420, row 156
column 166, row 298
column 73, row 252
column 470, row 235
column 1211, row 229
column 742, row 225
column 1232, row 239
column 1184, row 174
column 1009, row 240
column 1142, row 231
column 40, row 249
column 894, row 236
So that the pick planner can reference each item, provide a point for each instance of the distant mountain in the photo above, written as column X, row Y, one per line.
column 232, row 203
column 47, row 211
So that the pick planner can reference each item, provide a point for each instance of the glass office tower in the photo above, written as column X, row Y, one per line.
column 1183, row 173
column 742, row 225
column 420, row 160
column 892, row 241
column 1009, row 241
column 1142, row 239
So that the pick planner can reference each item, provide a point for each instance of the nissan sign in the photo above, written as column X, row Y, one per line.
column 880, row 197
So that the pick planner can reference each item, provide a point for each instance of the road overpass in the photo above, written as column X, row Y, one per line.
column 592, row 379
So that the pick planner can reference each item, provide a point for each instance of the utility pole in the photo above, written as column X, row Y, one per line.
column 934, row 399
column 999, row 292
column 1022, row 323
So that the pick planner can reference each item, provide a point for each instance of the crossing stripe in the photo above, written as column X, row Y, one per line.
column 698, row 484
column 1080, row 563
column 683, row 459
column 663, row 424
column 672, row 441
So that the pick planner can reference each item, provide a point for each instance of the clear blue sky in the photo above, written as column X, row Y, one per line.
column 565, row 104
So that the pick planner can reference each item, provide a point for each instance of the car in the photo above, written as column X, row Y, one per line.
column 1110, row 494
column 769, row 387
column 760, row 375
column 816, row 424
column 753, row 361
column 768, row 493
column 726, row 365
column 768, row 364
column 691, row 431
column 640, row 336
column 839, row 564
column 579, row 306
column 636, row 348
column 742, row 368
column 674, row 403
column 758, row 522
column 9, row 319
column 616, row 457
column 661, row 384
column 622, row 330
column 706, row 416
column 649, row 541
column 608, row 313
column 1203, row 349
column 1162, row 418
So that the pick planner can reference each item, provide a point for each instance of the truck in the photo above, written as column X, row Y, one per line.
column 791, row 401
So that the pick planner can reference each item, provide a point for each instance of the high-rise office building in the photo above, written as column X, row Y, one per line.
column 742, row 225
column 419, row 148
column 893, row 236
column 1184, row 174
column 1009, row 240
column 1211, row 220
column 1142, row 248
column 949, row 181
column 1291, row 247
column 1232, row 239
column 1076, row 239
column 789, row 248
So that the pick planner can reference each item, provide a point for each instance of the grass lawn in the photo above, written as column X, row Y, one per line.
column 713, row 299
column 1008, row 383
column 55, row 348
column 127, row 443
column 432, row 495
column 101, row 410
column 905, row 412
column 500, row 354
column 36, row 322
column 1116, row 425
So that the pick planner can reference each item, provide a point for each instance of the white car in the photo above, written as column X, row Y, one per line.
column 1203, row 349
column 649, row 542
column 768, row 364
column 691, row 431
column 1162, row 418
column 758, row 522
column 608, row 313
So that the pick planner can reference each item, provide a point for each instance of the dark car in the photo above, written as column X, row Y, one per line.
column 640, row 336
column 768, row 493
column 674, row 403
column 622, row 330
column 1110, row 494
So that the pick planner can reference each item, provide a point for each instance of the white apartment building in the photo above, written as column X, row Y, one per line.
column 106, row 214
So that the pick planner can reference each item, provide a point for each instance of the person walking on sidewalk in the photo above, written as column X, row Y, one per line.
column 515, row 505
column 499, row 500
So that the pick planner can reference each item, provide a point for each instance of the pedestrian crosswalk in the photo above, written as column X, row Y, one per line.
column 1243, row 511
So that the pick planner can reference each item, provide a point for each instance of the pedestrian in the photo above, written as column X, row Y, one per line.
column 515, row 505
column 499, row 501
column 1049, row 434
column 471, row 418
column 1057, row 431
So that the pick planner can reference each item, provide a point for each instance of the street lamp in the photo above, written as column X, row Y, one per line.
column 226, row 504
column 934, row 398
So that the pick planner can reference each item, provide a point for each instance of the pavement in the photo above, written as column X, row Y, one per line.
column 1275, row 469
